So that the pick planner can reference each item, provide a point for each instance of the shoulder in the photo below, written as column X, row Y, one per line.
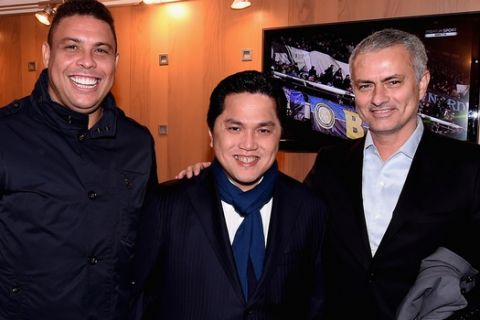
column 175, row 199
column 180, row 189
column 338, row 155
column 448, row 149
column 15, row 120
column 295, row 191
column 343, row 149
column 302, row 207
column 332, row 161
column 160, row 203
column 134, row 137
column 288, row 184
column 175, row 186
column 131, row 127
column 13, row 108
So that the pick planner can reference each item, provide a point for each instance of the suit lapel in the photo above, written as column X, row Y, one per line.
column 411, row 193
column 355, row 227
column 208, row 209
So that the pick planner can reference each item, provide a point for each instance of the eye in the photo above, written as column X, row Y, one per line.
column 233, row 128
column 102, row 51
column 71, row 47
column 264, row 131
column 394, row 83
column 364, row 86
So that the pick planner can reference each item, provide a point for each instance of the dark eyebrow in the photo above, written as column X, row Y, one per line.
column 363, row 81
column 261, row 124
column 232, row 121
column 69, row 39
column 267, row 124
column 393, row 77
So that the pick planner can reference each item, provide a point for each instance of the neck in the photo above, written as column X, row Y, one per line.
column 94, row 117
column 385, row 148
column 387, row 145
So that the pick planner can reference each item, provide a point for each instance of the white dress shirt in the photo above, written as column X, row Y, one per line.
column 233, row 219
column 382, row 183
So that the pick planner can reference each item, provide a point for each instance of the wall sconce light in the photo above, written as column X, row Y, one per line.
column 46, row 15
column 240, row 4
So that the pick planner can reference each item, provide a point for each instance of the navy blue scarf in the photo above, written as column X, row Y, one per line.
column 249, row 241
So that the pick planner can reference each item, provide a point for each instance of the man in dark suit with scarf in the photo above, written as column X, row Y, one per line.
column 241, row 240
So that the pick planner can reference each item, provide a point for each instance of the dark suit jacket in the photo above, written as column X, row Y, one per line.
column 439, row 206
column 186, row 262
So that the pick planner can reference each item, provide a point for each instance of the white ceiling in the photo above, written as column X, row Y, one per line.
column 24, row 6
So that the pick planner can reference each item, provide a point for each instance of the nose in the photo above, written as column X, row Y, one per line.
column 249, row 141
column 87, row 60
column 379, row 96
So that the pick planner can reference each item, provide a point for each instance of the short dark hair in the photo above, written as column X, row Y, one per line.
column 245, row 81
column 92, row 8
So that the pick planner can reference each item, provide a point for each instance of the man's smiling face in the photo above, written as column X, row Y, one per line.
column 81, row 63
column 246, row 136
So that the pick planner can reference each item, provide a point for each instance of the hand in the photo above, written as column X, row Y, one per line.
column 193, row 170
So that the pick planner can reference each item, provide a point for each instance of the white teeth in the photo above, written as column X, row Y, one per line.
column 84, row 82
column 245, row 159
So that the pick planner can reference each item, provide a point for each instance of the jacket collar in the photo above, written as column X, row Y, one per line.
column 69, row 121
column 354, row 225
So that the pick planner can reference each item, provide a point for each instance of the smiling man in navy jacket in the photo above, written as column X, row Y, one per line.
column 241, row 240
column 73, row 174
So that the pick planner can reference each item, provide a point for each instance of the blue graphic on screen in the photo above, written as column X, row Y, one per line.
column 325, row 115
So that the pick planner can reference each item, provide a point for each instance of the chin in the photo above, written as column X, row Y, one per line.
column 85, row 108
column 247, row 181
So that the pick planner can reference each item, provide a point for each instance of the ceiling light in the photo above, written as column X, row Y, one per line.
column 240, row 4
column 46, row 15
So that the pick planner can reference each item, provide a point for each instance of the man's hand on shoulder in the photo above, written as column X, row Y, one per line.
column 192, row 170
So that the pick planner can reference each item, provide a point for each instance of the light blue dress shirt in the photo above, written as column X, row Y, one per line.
column 382, row 182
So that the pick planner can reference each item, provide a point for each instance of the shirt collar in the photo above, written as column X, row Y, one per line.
column 408, row 148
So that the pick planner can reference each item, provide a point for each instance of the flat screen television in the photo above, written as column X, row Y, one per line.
column 311, row 65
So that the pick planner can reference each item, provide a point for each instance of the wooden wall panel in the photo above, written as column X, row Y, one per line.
column 157, row 113
column 187, row 87
column 29, row 53
column 122, row 86
column 204, row 40
column 10, row 60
